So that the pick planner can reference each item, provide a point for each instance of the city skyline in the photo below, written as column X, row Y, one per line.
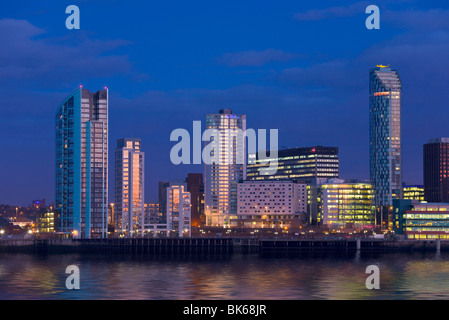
column 232, row 157
column 320, row 88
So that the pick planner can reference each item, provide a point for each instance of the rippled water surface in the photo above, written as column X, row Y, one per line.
column 235, row 276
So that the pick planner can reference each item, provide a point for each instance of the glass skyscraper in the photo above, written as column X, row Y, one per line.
column 82, row 164
column 221, row 179
column 385, row 134
column 129, row 187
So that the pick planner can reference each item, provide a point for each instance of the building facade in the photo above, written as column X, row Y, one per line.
column 195, row 186
column 222, row 177
column 162, row 195
column 413, row 192
column 82, row 164
column 347, row 204
column 45, row 222
column 179, row 211
column 153, row 214
column 271, row 204
column 385, row 91
column 421, row 220
column 436, row 170
column 129, row 186
column 297, row 163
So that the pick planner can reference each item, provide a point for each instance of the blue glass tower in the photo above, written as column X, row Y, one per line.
column 385, row 90
column 81, row 164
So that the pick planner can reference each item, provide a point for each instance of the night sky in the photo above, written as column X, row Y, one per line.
column 300, row 67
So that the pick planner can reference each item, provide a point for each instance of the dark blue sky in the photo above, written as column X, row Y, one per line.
column 300, row 67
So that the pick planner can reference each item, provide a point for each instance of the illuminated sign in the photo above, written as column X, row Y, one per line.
column 381, row 66
column 381, row 94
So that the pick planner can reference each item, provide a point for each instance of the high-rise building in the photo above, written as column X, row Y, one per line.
column 129, row 186
column 179, row 211
column 385, row 134
column 297, row 163
column 221, row 177
column 195, row 186
column 82, row 164
column 436, row 170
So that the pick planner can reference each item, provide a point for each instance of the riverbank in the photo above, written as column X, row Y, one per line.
column 215, row 245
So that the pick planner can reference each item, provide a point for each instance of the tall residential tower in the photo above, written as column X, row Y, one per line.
column 82, row 164
column 221, row 178
column 385, row 134
column 129, row 187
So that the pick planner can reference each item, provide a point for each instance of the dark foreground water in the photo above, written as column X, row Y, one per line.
column 236, row 276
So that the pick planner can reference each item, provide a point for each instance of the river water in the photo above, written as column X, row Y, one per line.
column 226, row 276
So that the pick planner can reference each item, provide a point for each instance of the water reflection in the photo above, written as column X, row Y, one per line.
column 236, row 276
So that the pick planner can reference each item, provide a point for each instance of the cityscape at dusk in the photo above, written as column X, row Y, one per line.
column 197, row 144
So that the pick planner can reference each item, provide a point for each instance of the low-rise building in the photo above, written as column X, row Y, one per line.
column 45, row 222
column 347, row 203
column 271, row 204
column 421, row 220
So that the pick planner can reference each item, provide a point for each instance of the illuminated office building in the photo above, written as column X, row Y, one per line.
column 297, row 163
column 436, row 170
column 82, row 164
column 220, row 185
column 347, row 203
column 129, row 186
column 421, row 220
column 309, row 164
column 385, row 134
column 179, row 211
column 413, row 192
column 45, row 221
